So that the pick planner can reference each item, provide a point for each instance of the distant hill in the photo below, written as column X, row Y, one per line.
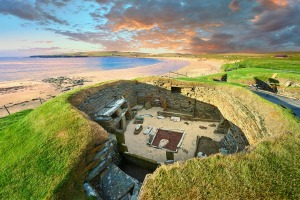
column 140, row 54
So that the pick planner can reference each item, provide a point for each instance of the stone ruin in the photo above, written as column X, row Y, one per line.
column 112, row 107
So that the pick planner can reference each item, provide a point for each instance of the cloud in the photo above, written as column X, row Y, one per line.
column 42, row 41
column 218, row 43
column 274, row 20
column 57, row 3
column 234, row 5
column 30, row 51
column 178, row 26
column 26, row 10
column 187, row 26
column 274, row 4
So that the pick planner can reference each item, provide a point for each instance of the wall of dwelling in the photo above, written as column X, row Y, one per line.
column 146, row 92
column 96, row 101
column 255, row 116
column 182, row 100
column 139, row 93
column 235, row 110
column 252, row 115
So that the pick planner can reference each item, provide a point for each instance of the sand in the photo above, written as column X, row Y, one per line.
column 25, row 93
column 198, row 67
column 137, row 144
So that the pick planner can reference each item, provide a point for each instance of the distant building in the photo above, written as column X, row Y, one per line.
column 281, row 56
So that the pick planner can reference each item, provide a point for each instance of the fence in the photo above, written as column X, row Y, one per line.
column 172, row 74
column 7, row 108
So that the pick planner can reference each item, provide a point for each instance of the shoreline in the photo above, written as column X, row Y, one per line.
column 30, row 93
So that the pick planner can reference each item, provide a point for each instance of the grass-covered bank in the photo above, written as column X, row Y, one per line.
column 248, row 76
column 41, row 151
column 290, row 64
column 269, row 170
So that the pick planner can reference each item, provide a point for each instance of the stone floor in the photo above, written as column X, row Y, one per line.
column 137, row 144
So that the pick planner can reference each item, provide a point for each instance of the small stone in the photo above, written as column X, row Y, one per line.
column 288, row 83
column 202, row 127
column 274, row 75
column 148, row 105
column 175, row 119
column 163, row 143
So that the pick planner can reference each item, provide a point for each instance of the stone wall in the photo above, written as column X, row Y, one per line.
column 235, row 110
column 183, row 101
column 255, row 116
column 103, row 94
column 137, row 92
column 148, row 92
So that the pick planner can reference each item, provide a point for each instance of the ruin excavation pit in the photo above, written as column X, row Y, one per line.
column 150, row 123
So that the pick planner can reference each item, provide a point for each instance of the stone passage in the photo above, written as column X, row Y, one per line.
column 115, row 184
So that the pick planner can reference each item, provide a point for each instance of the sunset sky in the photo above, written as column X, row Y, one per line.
column 30, row 27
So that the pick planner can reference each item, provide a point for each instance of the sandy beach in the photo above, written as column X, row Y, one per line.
column 28, row 93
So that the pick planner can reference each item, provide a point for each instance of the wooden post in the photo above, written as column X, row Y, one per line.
column 6, row 109
column 40, row 100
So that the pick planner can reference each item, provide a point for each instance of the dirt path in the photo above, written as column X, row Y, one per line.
column 292, row 104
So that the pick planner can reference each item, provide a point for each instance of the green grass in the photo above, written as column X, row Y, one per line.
column 269, row 170
column 39, row 149
column 207, row 78
column 13, row 118
column 287, row 64
column 248, row 76
column 240, row 75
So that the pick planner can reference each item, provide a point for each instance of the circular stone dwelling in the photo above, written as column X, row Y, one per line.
column 151, row 122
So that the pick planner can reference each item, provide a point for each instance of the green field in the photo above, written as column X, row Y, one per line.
column 247, row 70
column 286, row 64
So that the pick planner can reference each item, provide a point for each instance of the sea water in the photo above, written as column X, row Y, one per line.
column 34, row 68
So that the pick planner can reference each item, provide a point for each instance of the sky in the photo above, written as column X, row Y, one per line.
column 35, row 27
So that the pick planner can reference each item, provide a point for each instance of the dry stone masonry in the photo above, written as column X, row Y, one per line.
column 114, row 104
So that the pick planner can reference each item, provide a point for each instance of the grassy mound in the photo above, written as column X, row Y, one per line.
column 269, row 170
column 41, row 150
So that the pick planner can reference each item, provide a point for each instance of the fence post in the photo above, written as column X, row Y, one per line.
column 6, row 109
